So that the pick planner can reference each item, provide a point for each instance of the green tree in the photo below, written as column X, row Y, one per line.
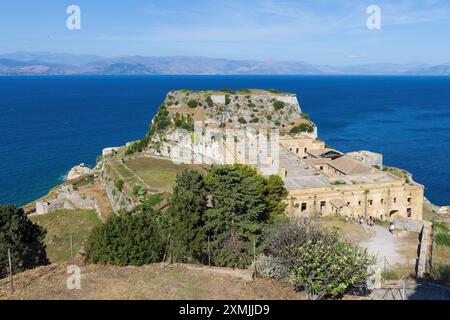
column 186, row 217
column 275, row 193
column 192, row 103
column 131, row 238
column 242, row 204
column 304, row 127
column 24, row 238
column 278, row 105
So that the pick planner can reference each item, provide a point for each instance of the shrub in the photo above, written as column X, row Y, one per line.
column 24, row 238
column 270, row 267
column 242, row 120
column 227, row 100
column 269, row 117
column 305, row 116
column 139, row 190
column 254, row 120
column 209, row 101
column 304, row 127
column 274, row 91
column 192, row 103
column 118, row 184
column 278, row 105
column 153, row 200
column 128, row 239
column 184, row 122
column 320, row 262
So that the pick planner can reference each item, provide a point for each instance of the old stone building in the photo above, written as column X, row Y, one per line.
column 325, row 181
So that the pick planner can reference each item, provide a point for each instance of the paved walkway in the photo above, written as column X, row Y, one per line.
column 383, row 244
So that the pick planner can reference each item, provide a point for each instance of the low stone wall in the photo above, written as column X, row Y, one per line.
column 424, row 228
column 410, row 225
column 70, row 199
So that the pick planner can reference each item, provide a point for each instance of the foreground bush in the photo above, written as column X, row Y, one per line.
column 128, row 239
column 318, row 261
column 24, row 238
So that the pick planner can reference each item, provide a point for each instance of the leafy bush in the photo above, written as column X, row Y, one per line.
column 227, row 100
column 24, row 238
column 270, row 267
column 269, row 117
column 319, row 261
column 184, row 122
column 254, row 120
column 305, row 116
column 128, row 239
column 139, row 190
column 118, row 184
column 153, row 200
column 160, row 122
column 304, row 127
column 242, row 120
column 192, row 103
column 209, row 101
column 278, row 105
column 274, row 91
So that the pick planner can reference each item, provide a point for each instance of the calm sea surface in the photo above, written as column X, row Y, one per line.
column 49, row 124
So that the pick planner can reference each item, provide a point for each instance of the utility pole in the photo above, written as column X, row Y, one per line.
column 11, row 284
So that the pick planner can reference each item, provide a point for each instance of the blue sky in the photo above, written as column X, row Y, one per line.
column 315, row 31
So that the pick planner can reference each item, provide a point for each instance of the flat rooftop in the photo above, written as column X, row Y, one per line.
column 302, row 174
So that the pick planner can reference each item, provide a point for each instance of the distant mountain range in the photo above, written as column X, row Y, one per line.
column 42, row 63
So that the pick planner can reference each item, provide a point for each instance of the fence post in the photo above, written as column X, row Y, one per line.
column 11, row 284
column 254, row 258
column 71, row 248
column 209, row 254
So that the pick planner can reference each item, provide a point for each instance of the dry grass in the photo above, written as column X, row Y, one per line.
column 60, row 225
column 353, row 231
column 146, row 283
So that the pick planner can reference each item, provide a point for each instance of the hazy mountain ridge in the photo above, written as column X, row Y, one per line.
column 42, row 63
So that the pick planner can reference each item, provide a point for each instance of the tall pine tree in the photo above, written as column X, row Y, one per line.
column 238, row 213
column 186, row 217
column 24, row 238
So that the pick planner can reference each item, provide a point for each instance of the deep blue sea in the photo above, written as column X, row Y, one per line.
column 49, row 124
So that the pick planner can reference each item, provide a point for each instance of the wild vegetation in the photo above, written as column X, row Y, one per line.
column 23, row 238
column 304, row 127
column 316, row 260
column 441, row 253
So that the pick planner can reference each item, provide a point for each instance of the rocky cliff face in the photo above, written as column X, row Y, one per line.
column 221, row 111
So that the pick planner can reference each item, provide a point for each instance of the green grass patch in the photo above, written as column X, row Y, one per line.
column 60, row 225
column 441, row 272
column 123, row 171
column 442, row 234
column 157, row 173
